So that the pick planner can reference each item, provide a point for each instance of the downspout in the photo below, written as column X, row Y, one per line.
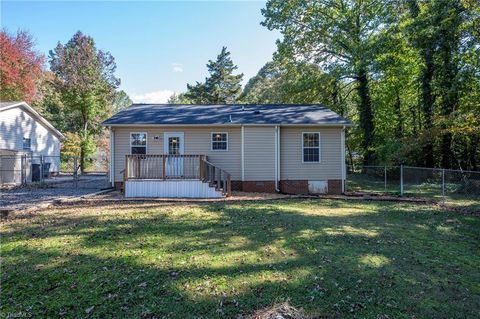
column 342, row 156
column 277, row 158
column 243, row 153
column 112, row 156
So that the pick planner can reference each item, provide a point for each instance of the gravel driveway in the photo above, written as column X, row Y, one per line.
column 57, row 188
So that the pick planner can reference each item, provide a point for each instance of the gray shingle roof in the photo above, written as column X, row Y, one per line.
column 196, row 114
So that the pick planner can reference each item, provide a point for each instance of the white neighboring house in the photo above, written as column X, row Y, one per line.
column 23, row 131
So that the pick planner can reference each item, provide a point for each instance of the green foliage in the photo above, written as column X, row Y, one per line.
column 221, row 87
column 179, row 98
column 340, row 36
column 71, row 146
column 278, row 82
column 121, row 100
column 414, row 66
column 85, row 82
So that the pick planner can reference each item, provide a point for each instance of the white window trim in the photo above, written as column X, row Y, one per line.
column 146, row 141
column 319, row 148
column 211, row 141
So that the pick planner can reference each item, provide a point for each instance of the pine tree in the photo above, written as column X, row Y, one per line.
column 221, row 87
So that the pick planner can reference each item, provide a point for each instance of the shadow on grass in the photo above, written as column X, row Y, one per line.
column 223, row 260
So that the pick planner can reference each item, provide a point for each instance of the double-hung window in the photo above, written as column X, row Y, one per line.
column 311, row 147
column 27, row 143
column 138, row 143
column 219, row 141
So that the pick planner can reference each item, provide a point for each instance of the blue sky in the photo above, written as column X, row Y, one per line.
column 159, row 46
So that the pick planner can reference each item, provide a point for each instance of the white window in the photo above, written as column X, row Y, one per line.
column 311, row 147
column 138, row 143
column 219, row 141
column 27, row 143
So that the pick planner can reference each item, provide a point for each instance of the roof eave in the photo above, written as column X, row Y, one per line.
column 226, row 124
column 37, row 115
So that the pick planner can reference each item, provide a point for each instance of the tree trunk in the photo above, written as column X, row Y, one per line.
column 449, row 92
column 473, row 153
column 427, row 104
column 398, row 109
column 337, row 106
column 366, row 115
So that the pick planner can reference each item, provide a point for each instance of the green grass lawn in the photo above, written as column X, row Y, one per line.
column 335, row 259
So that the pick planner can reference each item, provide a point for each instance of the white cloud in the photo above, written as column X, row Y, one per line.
column 160, row 96
column 177, row 67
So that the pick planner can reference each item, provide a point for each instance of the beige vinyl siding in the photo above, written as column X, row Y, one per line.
column 197, row 142
column 291, row 164
column 15, row 124
column 259, row 153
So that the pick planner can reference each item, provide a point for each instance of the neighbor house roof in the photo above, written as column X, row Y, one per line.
column 27, row 108
column 224, row 114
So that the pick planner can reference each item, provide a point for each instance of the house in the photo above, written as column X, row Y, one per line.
column 209, row 150
column 25, row 133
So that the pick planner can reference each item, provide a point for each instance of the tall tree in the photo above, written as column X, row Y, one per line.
column 121, row 100
column 85, row 80
column 179, row 98
column 221, row 87
column 336, row 34
column 294, row 82
column 21, row 67
column 449, row 30
column 419, row 31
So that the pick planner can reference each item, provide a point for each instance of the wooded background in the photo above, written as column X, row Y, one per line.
column 406, row 72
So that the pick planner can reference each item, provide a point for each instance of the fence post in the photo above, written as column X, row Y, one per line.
column 385, row 175
column 41, row 168
column 443, row 184
column 25, row 169
column 75, row 171
column 401, row 180
column 22, row 167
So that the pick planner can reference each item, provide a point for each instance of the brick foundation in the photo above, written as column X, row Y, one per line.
column 335, row 186
column 286, row 186
column 259, row 186
column 237, row 186
column 294, row 186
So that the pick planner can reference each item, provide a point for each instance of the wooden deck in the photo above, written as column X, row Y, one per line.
column 161, row 167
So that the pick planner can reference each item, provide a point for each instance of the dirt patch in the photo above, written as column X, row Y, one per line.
column 282, row 311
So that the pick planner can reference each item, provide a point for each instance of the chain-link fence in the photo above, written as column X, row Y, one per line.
column 13, row 170
column 55, row 171
column 453, row 186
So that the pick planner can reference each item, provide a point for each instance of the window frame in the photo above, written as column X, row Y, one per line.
column 29, row 148
column 211, row 142
column 146, row 142
column 319, row 148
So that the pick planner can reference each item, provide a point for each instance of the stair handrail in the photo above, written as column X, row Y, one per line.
column 215, row 176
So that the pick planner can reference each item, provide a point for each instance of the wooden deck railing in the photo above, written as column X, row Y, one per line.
column 152, row 166
column 161, row 166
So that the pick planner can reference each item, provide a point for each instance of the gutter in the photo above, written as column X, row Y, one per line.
column 342, row 156
column 243, row 153
column 112, row 156
column 277, row 158
column 228, row 125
